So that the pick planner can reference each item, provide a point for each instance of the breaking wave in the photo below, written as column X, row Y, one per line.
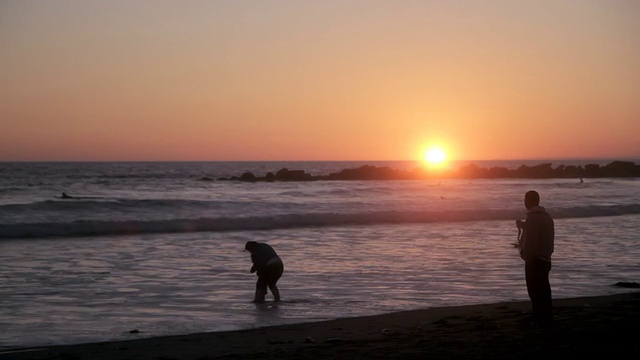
column 248, row 223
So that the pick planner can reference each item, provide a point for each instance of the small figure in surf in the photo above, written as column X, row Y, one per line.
column 269, row 268
column 536, row 247
column 65, row 196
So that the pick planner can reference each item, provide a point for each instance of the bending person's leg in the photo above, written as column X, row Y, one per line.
column 275, row 272
column 261, row 290
column 275, row 292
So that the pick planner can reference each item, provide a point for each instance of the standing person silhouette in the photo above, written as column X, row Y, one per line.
column 536, row 249
column 269, row 268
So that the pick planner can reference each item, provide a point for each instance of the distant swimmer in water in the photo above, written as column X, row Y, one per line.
column 65, row 196
column 581, row 181
column 269, row 267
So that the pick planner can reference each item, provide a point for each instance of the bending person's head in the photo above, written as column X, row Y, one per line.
column 531, row 199
column 250, row 245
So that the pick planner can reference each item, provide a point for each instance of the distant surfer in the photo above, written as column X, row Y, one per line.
column 269, row 268
column 65, row 196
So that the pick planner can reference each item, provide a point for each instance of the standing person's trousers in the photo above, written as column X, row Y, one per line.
column 539, row 289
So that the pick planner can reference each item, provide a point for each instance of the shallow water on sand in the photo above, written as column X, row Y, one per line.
column 59, row 290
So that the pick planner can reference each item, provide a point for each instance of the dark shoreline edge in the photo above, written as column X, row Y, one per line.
column 615, row 169
column 584, row 327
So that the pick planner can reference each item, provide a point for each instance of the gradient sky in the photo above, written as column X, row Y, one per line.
column 318, row 80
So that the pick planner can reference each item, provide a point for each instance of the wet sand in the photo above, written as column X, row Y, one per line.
column 584, row 328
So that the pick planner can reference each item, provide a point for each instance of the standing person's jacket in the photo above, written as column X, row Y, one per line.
column 538, row 235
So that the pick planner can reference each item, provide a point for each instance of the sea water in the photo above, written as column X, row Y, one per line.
column 158, row 247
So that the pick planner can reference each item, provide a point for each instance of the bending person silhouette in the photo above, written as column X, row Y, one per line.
column 269, row 268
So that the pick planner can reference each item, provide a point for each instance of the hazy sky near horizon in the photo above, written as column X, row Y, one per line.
column 318, row 80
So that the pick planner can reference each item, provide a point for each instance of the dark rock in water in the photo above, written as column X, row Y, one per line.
column 623, row 284
column 592, row 170
column 620, row 169
column 134, row 331
column 292, row 175
column 248, row 177
column 533, row 172
column 270, row 177
column 573, row 171
column 470, row 171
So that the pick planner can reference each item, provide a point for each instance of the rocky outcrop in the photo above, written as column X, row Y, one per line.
column 292, row 175
column 471, row 171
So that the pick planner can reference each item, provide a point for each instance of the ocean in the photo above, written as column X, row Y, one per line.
column 150, row 249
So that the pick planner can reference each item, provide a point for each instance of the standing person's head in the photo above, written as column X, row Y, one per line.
column 531, row 199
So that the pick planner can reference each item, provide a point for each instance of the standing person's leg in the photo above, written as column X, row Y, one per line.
column 539, row 289
column 546, row 305
column 529, row 274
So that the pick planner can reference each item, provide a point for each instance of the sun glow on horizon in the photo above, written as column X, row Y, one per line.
column 299, row 80
column 435, row 156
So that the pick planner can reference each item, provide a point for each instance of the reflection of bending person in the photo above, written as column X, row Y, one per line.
column 269, row 267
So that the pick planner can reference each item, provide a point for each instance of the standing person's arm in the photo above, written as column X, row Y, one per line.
column 530, row 238
column 520, row 226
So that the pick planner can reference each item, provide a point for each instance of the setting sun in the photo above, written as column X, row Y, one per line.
column 435, row 156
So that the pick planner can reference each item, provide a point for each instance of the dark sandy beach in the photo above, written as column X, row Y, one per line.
column 584, row 328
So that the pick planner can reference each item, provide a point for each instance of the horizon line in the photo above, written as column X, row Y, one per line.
column 613, row 158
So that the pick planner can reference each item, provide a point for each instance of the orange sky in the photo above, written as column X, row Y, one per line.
column 318, row 80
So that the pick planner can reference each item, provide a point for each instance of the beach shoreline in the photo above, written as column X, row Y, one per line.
column 588, row 327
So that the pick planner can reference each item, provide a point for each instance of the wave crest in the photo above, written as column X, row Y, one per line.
column 101, row 228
